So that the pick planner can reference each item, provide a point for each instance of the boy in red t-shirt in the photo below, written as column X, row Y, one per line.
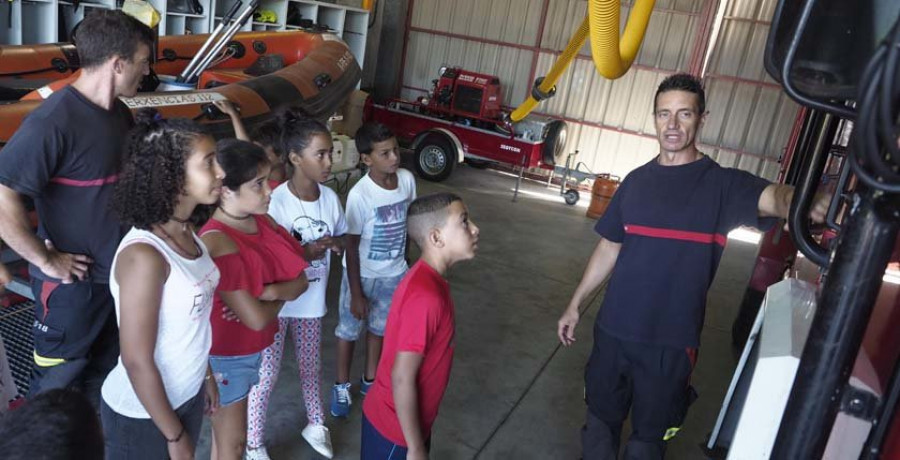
column 412, row 375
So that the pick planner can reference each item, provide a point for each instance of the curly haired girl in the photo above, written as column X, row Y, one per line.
column 162, row 282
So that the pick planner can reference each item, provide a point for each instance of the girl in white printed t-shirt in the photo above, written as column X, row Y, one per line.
column 313, row 215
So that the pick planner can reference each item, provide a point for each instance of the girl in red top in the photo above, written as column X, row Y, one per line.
column 261, row 267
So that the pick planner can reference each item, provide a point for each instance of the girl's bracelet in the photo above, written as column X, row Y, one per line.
column 177, row 438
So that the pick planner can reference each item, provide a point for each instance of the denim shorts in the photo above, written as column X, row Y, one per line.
column 379, row 292
column 235, row 375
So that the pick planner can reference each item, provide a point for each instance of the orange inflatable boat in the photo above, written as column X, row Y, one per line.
column 260, row 72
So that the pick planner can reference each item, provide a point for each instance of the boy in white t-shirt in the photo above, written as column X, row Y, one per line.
column 375, row 259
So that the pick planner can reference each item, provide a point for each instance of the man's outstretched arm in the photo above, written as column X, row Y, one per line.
column 775, row 201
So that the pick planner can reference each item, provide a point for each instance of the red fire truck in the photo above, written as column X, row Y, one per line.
column 463, row 120
column 819, row 376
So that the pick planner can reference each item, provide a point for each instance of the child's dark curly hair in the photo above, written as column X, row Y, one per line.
column 66, row 418
column 297, row 130
column 153, row 173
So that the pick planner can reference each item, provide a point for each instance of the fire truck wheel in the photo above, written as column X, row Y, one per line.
column 554, row 142
column 435, row 158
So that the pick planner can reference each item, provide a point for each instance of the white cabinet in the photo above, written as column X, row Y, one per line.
column 48, row 21
column 177, row 18
column 351, row 24
column 42, row 21
column 24, row 22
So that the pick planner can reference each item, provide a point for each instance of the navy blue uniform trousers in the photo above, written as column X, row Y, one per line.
column 651, row 381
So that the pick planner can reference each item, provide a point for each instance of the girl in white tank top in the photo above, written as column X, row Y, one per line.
column 162, row 281
column 183, row 335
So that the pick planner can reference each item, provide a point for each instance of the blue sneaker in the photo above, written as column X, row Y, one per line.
column 364, row 385
column 340, row 399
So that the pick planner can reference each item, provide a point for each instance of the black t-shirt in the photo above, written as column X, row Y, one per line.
column 66, row 156
column 672, row 222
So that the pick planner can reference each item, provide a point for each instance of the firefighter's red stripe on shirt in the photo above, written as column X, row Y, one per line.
column 85, row 183
column 680, row 235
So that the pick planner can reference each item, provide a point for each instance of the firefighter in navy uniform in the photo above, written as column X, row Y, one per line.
column 65, row 156
column 662, row 238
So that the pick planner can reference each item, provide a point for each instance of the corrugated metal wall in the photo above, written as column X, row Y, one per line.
column 610, row 122
column 750, row 117
column 490, row 37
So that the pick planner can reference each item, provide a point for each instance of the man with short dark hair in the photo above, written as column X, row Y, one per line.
column 661, row 241
column 65, row 157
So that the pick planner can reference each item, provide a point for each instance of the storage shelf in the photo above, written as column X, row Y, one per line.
column 351, row 24
column 187, row 15
column 331, row 6
column 86, row 4
column 38, row 21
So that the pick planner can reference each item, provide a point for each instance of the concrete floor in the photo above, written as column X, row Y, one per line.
column 514, row 392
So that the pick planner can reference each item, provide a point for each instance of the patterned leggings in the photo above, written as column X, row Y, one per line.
column 307, row 341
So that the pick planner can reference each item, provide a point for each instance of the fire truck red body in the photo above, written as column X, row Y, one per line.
column 880, row 350
column 463, row 119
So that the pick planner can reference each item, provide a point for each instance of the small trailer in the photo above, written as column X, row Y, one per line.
column 462, row 120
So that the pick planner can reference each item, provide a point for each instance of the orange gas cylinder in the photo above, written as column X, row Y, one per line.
column 602, row 192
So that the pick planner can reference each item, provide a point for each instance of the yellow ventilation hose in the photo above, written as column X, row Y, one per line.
column 611, row 57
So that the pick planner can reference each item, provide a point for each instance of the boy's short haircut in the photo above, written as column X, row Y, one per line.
column 371, row 133
column 105, row 34
column 428, row 212
column 56, row 425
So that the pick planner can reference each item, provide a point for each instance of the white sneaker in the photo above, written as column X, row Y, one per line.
column 319, row 438
column 257, row 454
